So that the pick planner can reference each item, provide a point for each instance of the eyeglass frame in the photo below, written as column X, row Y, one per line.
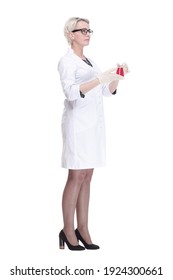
column 84, row 31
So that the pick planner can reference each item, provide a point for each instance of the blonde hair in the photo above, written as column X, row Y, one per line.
column 70, row 25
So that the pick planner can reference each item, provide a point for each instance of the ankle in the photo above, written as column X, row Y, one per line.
column 84, row 232
column 83, row 229
column 71, row 236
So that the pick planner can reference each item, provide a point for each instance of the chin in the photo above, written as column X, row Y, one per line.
column 86, row 43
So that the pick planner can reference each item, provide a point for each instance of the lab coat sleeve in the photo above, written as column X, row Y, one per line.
column 67, row 70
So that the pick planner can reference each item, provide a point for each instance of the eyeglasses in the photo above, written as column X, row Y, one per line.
column 84, row 31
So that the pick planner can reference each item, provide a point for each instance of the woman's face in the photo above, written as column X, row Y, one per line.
column 79, row 38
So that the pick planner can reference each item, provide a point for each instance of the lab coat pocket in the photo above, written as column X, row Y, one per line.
column 85, row 116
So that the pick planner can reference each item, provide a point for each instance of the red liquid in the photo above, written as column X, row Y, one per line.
column 120, row 71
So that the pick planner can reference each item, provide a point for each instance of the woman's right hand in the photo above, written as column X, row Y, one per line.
column 109, row 76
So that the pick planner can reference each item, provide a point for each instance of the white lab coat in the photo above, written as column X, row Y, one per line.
column 83, row 126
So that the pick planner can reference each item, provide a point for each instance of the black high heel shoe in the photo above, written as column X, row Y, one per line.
column 87, row 246
column 63, row 239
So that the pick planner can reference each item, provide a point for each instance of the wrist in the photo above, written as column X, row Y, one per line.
column 97, row 81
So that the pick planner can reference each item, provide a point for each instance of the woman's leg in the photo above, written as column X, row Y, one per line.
column 70, row 196
column 83, row 206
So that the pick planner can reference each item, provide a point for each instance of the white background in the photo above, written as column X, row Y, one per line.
column 131, row 199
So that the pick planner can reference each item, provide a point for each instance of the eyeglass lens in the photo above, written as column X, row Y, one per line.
column 85, row 31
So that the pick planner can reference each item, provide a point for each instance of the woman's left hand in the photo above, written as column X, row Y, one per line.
column 125, row 67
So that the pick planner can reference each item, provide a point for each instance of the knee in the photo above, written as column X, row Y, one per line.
column 81, row 176
column 77, row 176
column 88, row 176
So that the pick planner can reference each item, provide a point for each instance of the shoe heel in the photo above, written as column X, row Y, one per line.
column 63, row 239
column 61, row 243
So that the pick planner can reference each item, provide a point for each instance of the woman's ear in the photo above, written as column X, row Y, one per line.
column 71, row 35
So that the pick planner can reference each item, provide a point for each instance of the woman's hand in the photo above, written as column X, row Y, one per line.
column 125, row 67
column 109, row 76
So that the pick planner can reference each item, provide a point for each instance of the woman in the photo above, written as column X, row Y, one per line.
column 83, row 130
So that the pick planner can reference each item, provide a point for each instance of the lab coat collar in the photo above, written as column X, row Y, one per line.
column 77, row 58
